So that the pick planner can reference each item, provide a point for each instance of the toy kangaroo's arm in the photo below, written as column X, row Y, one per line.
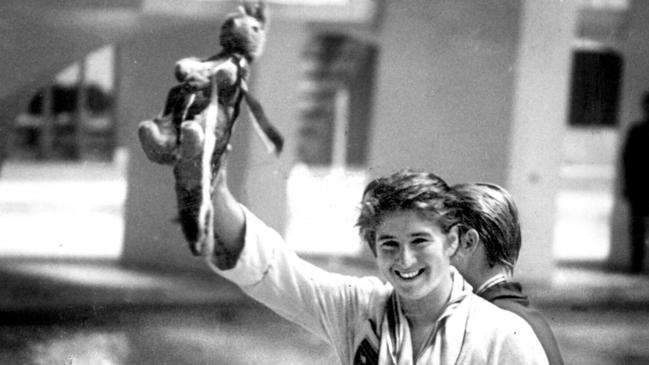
column 272, row 139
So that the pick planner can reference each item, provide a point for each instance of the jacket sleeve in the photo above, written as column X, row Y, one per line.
column 495, row 336
column 325, row 303
column 517, row 344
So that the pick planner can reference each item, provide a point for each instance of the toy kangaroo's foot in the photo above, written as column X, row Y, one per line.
column 158, row 140
column 193, row 190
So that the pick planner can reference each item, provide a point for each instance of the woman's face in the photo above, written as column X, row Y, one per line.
column 413, row 254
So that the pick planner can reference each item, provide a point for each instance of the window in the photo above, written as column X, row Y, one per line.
column 594, row 98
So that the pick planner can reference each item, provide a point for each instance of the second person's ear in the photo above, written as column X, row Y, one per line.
column 470, row 240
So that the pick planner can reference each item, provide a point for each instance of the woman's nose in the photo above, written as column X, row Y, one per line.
column 406, row 256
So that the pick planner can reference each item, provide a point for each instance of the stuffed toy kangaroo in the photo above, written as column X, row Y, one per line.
column 193, row 131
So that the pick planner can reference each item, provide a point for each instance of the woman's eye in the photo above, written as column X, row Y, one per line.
column 419, row 240
column 388, row 245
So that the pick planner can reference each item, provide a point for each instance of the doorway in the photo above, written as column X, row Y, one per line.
column 588, row 169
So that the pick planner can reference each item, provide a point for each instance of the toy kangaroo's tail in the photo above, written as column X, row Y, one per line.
column 194, row 194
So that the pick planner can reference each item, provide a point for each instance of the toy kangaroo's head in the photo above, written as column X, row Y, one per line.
column 244, row 32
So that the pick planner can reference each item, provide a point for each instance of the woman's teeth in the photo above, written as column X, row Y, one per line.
column 408, row 275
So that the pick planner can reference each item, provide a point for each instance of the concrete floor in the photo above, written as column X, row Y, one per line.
column 175, row 335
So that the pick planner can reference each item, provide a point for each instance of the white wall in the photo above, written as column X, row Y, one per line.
column 445, row 88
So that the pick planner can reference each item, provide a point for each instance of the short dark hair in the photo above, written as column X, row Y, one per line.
column 491, row 211
column 422, row 192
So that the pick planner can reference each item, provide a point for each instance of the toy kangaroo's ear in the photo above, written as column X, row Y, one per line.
column 256, row 9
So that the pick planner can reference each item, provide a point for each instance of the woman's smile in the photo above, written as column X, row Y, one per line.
column 408, row 275
column 412, row 253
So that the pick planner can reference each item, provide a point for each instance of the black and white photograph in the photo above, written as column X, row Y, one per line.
column 324, row 182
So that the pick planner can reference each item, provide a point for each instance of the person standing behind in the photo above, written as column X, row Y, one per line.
column 490, row 241
column 635, row 184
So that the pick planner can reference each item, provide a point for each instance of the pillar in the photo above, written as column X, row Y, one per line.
column 540, row 119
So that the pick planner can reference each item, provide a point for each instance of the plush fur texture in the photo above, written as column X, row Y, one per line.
column 193, row 131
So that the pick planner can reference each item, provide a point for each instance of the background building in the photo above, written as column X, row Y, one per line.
column 531, row 95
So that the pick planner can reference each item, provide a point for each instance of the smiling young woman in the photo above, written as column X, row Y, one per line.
column 426, row 313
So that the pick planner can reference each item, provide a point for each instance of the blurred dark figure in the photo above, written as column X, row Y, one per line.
column 635, row 188
column 4, row 141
